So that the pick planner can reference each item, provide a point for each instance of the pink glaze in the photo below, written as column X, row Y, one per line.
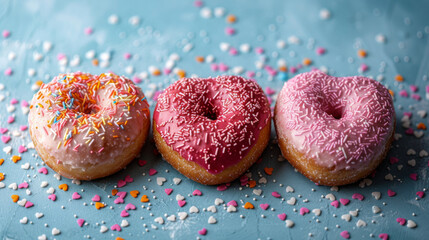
column 213, row 122
column 340, row 123
column 81, row 118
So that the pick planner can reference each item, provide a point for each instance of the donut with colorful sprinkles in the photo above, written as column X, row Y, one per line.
column 212, row 130
column 334, row 130
column 88, row 126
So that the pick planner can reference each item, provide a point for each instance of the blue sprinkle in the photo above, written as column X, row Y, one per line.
column 143, row 98
column 283, row 76
column 64, row 105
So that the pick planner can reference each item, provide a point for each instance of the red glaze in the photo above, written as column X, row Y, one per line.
column 213, row 122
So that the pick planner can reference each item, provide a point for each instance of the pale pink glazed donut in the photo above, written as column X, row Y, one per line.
column 335, row 131
column 212, row 130
column 87, row 126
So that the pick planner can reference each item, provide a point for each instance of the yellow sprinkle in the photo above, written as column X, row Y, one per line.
column 59, row 144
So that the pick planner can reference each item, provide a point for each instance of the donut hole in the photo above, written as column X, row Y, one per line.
column 336, row 113
column 211, row 113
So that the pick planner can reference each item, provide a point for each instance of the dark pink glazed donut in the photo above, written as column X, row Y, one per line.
column 334, row 130
column 212, row 130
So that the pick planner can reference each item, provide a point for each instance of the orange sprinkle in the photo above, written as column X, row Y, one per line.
column 231, row 18
column 119, row 238
column 15, row 158
column 181, row 74
column 1, row 176
column 114, row 192
column 134, row 193
column 306, row 61
column 99, row 205
column 391, row 93
column 252, row 183
column 15, row 198
column 1, row 161
column 399, row 78
column 39, row 83
column 64, row 187
column 144, row 199
column 156, row 72
column 248, row 205
column 199, row 59
column 268, row 171
column 421, row 126
column 95, row 62
column 283, row 69
column 362, row 53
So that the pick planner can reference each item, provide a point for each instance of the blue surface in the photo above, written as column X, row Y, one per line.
column 165, row 28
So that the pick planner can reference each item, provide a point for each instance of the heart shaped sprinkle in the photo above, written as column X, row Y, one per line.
column 421, row 194
column 384, row 236
column 99, row 205
column 181, row 203
column 96, row 198
column 232, row 203
column 130, row 206
column 119, row 200
column 344, row 201
column 202, row 231
column 15, row 198
column 168, row 191
column 134, row 193
column 129, row 179
column 152, row 172
column 22, row 149
column 80, row 222
column 28, row 204
column 335, row 203
column 23, row 185
column 276, row 194
column 268, row 171
column 124, row 213
column 116, row 227
column 64, row 187
column 358, row 196
column 303, row 211
column 391, row 193
column 401, row 221
column 345, row 234
column 264, row 206
column 248, row 205
column 144, row 198
column 196, row 192
column 121, row 183
column 52, row 197
column 5, row 139
column 141, row 163
column 282, row 216
column 121, row 194
column 43, row 170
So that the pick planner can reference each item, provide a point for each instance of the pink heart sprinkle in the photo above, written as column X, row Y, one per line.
column 344, row 201
column 320, row 50
column 363, row 67
column 14, row 101
column 335, row 203
column 124, row 213
column 24, row 103
column 22, row 149
column 409, row 131
column 8, row 72
column 3, row 130
column 167, row 71
column 76, row 196
column 390, row 193
column 23, row 128
column 28, row 204
column 168, row 191
column 52, row 197
column 119, row 200
column 6, row 33
column 282, row 216
column 142, row 163
column 403, row 93
column 129, row 179
column 416, row 97
column 116, row 227
column 10, row 119
column 293, row 69
column 96, row 198
column 23, row 185
column 121, row 194
column 80, row 222
column 408, row 114
column 384, row 236
column 196, row 192
column 358, row 196
column 214, row 67
column 223, row 67
column 181, row 203
column 250, row 74
column 152, row 172
column 259, row 50
column 130, row 206
column 233, row 51
column 202, row 231
column 269, row 91
column 43, row 170
column 276, row 194
column 222, row 187
column 303, row 211
column 345, row 234
column 421, row 194
column 5, row 139
column 229, row 31
column 264, row 206
column 232, row 203
column 121, row 183
column 401, row 221
column 127, row 56
column 413, row 176
column 393, row 160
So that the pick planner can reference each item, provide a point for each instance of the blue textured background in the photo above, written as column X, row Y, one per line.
column 165, row 28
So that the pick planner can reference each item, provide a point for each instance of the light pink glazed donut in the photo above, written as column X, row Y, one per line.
column 212, row 130
column 87, row 126
column 335, row 131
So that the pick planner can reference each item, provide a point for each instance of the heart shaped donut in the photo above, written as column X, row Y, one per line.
column 87, row 126
column 212, row 130
column 335, row 131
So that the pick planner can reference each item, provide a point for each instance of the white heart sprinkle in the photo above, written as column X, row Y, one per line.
column 38, row 215
column 159, row 220
column 172, row 218
column 334, row 188
column 423, row 153
column 10, row 108
column 193, row 209
column 346, row 217
column 182, row 215
column 330, row 196
column 291, row 201
column 219, row 12
column 212, row 220
column 154, row 227
column 389, row 177
column 411, row 224
column 376, row 195
column 412, row 162
column 360, row 223
column 2, row 185
column 245, row 47
column 411, row 152
column 160, row 180
column 13, row 186
column 179, row 197
column 25, row 166
column 76, row 181
column 290, row 189
column 281, row 44
column 354, row 213
column 44, row 184
column 125, row 223
column 218, row 201
column 376, row 209
column 7, row 149
column 224, row 46
column 406, row 124
column 42, row 237
column 177, row 181
column 289, row 223
column 212, row 209
column 57, row 176
column 418, row 134
column 55, row 231
column 262, row 180
column 103, row 229
column 257, row 192
column 51, row 190
column 24, row 220
column 28, row 191
column 397, row 136
column 316, row 211
column 422, row 113
column 22, row 202
column 231, row 209
column 30, row 145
